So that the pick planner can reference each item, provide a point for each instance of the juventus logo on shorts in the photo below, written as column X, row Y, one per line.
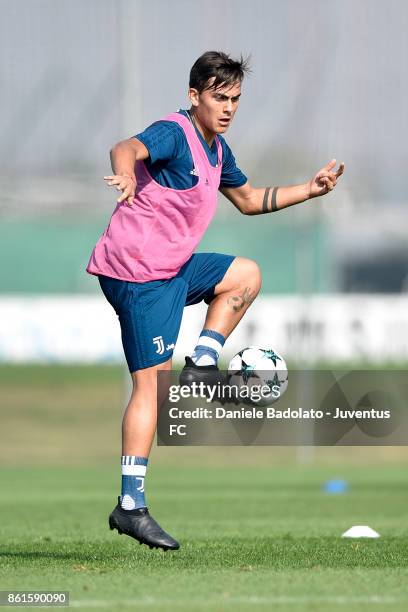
column 158, row 341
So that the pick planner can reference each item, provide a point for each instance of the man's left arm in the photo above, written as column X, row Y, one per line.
column 252, row 201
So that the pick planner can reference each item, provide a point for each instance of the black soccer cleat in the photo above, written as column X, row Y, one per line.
column 138, row 524
column 211, row 376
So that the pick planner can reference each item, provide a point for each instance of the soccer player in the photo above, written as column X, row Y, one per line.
column 169, row 177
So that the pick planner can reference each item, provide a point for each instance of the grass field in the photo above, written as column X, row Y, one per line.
column 256, row 529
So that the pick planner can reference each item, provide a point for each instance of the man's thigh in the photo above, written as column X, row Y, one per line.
column 242, row 273
column 202, row 272
column 150, row 317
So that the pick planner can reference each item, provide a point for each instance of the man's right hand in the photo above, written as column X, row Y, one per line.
column 124, row 183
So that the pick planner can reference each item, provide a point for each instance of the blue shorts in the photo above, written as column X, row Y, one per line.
column 150, row 313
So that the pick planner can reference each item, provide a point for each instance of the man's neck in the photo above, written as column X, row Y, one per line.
column 206, row 134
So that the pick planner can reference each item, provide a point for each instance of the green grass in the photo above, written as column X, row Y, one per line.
column 256, row 529
column 274, row 542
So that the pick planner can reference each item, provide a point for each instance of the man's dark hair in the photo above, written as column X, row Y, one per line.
column 219, row 65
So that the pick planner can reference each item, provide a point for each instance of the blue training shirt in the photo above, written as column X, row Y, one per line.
column 170, row 160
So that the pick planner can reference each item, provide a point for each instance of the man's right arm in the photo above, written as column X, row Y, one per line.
column 123, row 158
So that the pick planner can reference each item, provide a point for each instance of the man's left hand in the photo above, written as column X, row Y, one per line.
column 325, row 180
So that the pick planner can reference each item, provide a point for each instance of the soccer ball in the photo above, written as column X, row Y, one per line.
column 260, row 373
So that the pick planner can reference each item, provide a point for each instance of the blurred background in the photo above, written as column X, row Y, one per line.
column 79, row 75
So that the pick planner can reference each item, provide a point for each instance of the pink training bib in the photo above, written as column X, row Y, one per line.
column 154, row 237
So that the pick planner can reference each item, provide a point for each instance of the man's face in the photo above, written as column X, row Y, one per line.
column 215, row 109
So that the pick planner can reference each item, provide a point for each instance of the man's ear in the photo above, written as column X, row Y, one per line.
column 193, row 95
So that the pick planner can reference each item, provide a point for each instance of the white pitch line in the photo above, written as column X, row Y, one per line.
column 255, row 599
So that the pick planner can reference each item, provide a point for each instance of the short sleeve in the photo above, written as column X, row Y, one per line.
column 231, row 175
column 164, row 140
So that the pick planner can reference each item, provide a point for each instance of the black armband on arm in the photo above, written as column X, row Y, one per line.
column 274, row 208
column 265, row 206
column 265, row 200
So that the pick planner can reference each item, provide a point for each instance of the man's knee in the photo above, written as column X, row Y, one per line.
column 146, row 378
column 243, row 275
column 249, row 274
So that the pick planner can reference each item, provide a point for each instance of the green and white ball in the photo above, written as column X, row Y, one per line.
column 256, row 367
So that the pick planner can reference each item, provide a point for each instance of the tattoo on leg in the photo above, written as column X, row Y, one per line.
column 239, row 301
